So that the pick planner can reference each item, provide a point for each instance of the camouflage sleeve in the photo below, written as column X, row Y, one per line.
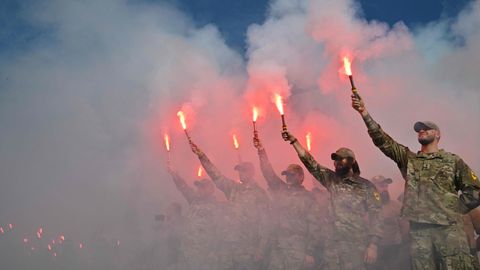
column 182, row 186
column 274, row 182
column 322, row 174
column 386, row 144
column 314, row 218
column 467, row 182
column 374, row 210
column 221, row 182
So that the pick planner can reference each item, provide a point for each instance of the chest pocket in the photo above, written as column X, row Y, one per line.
column 444, row 175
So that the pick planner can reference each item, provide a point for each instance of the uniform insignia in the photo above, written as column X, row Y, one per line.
column 376, row 195
column 474, row 177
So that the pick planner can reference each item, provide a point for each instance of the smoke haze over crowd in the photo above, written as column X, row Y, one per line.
column 85, row 105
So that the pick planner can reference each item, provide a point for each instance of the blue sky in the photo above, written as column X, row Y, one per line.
column 234, row 17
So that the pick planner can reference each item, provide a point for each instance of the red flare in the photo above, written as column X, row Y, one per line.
column 235, row 142
column 279, row 103
column 80, row 245
column 347, row 65
column 181, row 116
column 25, row 240
column 2, row 231
column 39, row 235
column 10, row 226
column 200, row 171
column 308, row 138
column 255, row 114
column 167, row 142
column 49, row 247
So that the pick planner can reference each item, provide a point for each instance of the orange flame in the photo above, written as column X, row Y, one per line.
column 181, row 116
column 279, row 103
column 167, row 142
column 308, row 137
column 347, row 65
column 235, row 141
column 200, row 171
column 255, row 114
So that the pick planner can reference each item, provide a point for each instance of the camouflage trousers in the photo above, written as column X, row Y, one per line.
column 439, row 247
column 235, row 256
column 286, row 259
column 344, row 255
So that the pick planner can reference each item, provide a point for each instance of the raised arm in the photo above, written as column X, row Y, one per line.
column 380, row 138
column 182, row 186
column 322, row 174
column 468, row 183
column 273, row 180
column 221, row 182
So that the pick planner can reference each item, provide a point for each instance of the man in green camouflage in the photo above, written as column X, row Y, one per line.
column 353, row 241
column 245, row 237
column 433, row 179
column 296, row 229
column 199, row 242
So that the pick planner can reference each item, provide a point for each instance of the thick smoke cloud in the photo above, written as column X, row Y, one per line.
column 84, row 107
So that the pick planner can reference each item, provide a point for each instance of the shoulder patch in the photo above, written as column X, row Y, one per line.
column 376, row 195
column 474, row 177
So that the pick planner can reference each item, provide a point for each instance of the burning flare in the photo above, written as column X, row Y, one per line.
column 235, row 141
column 347, row 65
column 167, row 142
column 279, row 103
column 308, row 138
column 181, row 116
column 200, row 171
column 255, row 114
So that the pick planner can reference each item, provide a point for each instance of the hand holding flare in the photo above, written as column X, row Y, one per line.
column 348, row 70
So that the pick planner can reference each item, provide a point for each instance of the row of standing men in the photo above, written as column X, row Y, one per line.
column 353, row 227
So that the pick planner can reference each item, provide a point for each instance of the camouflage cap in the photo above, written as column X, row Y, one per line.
column 342, row 153
column 245, row 167
column 425, row 125
column 203, row 183
column 293, row 168
column 381, row 179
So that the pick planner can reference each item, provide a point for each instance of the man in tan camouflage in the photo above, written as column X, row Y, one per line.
column 199, row 241
column 393, row 251
column 433, row 179
column 297, row 216
column 245, row 237
column 353, row 241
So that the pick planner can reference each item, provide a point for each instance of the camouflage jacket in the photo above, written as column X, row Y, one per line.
column 201, row 221
column 432, row 181
column 352, row 201
column 297, row 215
column 247, row 209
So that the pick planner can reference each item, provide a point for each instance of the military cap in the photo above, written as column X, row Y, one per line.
column 293, row 168
column 425, row 125
column 245, row 167
column 381, row 179
column 342, row 153
column 203, row 183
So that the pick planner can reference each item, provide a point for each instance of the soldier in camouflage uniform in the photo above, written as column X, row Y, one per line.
column 433, row 178
column 296, row 230
column 245, row 239
column 199, row 241
column 353, row 241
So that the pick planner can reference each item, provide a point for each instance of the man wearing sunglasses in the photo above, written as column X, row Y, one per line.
column 432, row 204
